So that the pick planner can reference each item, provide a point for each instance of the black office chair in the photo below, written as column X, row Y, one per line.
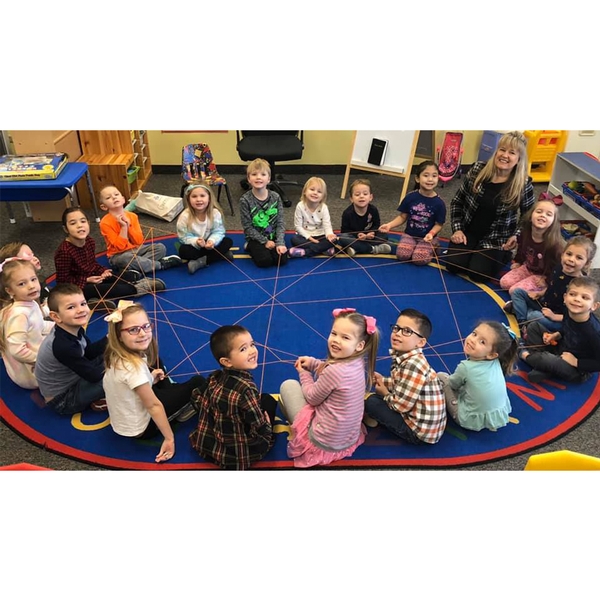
column 272, row 146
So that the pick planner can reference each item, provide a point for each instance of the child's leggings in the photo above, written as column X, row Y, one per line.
column 522, row 277
column 415, row 250
column 189, row 252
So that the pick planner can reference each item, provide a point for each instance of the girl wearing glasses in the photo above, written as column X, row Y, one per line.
column 141, row 399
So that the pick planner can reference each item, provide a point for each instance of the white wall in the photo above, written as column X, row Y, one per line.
column 589, row 142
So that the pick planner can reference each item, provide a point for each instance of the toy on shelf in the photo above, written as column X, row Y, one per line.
column 585, row 194
column 25, row 167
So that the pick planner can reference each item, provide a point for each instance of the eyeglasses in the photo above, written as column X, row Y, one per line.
column 406, row 331
column 137, row 328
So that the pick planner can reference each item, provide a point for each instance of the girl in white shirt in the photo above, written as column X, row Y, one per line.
column 140, row 397
column 312, row 222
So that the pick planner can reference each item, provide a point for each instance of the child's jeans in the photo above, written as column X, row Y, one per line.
column 312, row 248
column 547, row 358
column 144, row 258
column 79, row 396
column 377, row 408
column 529, row 311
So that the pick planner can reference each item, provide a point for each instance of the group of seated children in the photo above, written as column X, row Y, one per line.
column 551, row 295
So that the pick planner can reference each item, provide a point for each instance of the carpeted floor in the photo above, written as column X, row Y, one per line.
column 45, row 237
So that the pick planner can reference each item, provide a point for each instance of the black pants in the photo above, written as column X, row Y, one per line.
column 549, row 360
column 119, row 286
column 478, row 263
column 173, row 396
column 188, row 252
column 263, row 257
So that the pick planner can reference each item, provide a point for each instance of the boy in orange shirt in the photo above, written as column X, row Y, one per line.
column 124, row 238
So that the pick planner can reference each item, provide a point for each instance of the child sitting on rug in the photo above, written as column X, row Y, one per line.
column 312, row 222
column 201, row 230
column 476, row 396
column 124, row 239
column 261, row 212
column 548, row 306
column 573, row 352
column 141, row 402
column 424, row 213
column 22, row 325
column 24, row 252
column 410, row 403
column 75, row 261
column 326, row 408
column 69, row 367
column 235, row 423
column 360, row 223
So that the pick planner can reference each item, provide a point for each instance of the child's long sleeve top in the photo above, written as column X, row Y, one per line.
column 263, row 221
column 417, row 394
column 312, row 224
column 190, row 230
column 74, row 264
column 110, row 229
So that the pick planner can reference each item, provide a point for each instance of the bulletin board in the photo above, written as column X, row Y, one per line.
column 398, row 158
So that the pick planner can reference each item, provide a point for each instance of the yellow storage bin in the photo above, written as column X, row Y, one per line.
column 542, row 148
column 562, row 460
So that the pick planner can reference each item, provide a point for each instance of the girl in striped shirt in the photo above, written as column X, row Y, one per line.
column 325, row 409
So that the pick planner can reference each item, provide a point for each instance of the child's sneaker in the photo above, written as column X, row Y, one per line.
column 186, row 413
column 99, row 405
column 297, row 252
column 330, row 252
column 195, row 265
column 229, row 255
column 168, row 262
column 508, row 308
column 149, row 286
column 381, row 249
column 350, row 251
column 535, row 376
column 100, row 305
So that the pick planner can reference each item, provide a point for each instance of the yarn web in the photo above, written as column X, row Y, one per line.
column 288, row 311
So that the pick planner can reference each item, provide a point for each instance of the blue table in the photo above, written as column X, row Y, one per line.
column 47, row 189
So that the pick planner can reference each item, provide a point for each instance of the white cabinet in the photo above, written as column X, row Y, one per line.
column 576, row 166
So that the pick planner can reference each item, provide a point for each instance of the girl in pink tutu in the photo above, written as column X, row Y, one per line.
column 326, row 408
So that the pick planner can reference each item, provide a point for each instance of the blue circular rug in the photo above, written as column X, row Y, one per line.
column 288, row 312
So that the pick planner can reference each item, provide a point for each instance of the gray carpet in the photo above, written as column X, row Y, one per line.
column 44, row 238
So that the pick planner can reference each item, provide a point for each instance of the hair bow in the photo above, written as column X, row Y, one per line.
column 509, row 331
column 371, row 324
column 117, row 315
column 342, row 311
column 9, row 260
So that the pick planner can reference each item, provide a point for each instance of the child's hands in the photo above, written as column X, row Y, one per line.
column 95, row 279
column 550, row 339
column 458, row 237
column 510, row 243
column 267, row 416
column 380, row 389
column 269, row 244
column 370, row 235
column 302, row 363
column 569, row 358
column 166, row 452
column 200, row 242
column 281, row 249
column 535, row 295
column 549, row 314
column 123, row 219
column 209, row 244
column 385, row 228
column 157, row 375
column 106, row 274
column 332, row 237
column 514, row 265
column 427, row 238
column 362, row 236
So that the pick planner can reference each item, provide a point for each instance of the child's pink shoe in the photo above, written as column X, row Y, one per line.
column 297, row 252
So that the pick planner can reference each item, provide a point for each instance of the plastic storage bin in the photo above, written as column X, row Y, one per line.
column 489, row 143
column 132, row 174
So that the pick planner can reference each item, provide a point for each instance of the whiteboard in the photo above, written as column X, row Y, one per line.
column 399, row 155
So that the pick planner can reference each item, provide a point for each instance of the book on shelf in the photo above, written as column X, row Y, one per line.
column 377, row 152
column 25, row 167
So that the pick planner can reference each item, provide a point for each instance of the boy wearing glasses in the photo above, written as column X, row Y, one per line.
column 69, row 368
column 410, row 403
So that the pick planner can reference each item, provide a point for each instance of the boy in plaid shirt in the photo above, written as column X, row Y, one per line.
column 410, row 403
column 235, row 423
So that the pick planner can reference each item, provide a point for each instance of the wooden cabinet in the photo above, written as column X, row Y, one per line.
column 120, row 158
column 576, row 166
column 33, row 142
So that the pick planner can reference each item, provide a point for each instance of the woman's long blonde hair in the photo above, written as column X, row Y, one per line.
column 513, row 189
column 116, row 354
